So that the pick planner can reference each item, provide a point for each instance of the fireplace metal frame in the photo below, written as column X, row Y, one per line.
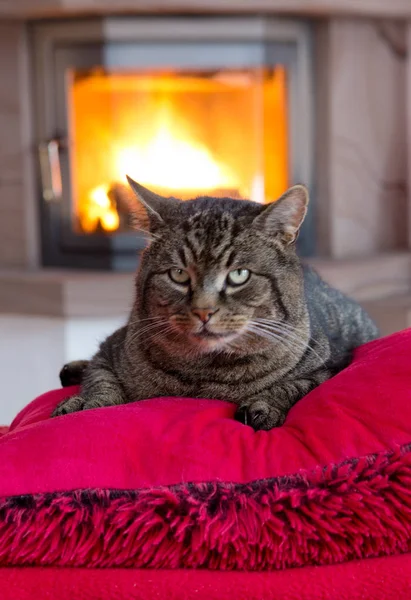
column 147, row 42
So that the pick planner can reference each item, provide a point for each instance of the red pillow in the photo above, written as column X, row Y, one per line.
column 175, row 482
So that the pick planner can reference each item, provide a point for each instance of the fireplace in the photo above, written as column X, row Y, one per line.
column 185, row 106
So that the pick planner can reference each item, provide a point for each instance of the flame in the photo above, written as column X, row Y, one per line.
column 174, row 160
column 99, row 210
column 171, row 159
column 183, row 136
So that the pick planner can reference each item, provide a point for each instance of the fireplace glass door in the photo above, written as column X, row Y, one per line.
column 184, row 117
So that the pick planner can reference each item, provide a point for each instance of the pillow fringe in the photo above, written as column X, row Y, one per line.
column 360, row 508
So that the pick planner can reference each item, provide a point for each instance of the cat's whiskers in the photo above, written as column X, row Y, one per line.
column 163, row 333
column 281, row 336
column 297, row 332
column 275, row 322
column 277, row 329
column 296, row 350
column 285, row 335
column 148, row 327
column 145, row 330
column 283, row 326
column 137, row 321
column 291, row 332
column 132, row 324
column 270, row 336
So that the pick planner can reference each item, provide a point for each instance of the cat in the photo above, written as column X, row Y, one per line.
column 224, row 309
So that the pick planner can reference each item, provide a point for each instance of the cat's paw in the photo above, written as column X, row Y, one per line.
column 260, row 415
column 70, row 405
column 72, row 373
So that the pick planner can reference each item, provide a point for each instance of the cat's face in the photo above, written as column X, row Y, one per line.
column 217, row 269
column 208, row 287
column 212, row 307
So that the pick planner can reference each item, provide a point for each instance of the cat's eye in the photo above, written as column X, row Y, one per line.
column 179, row 276
column 238, row 276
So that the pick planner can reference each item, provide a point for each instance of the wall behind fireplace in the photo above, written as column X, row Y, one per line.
column 361, row 137
column 18, row 193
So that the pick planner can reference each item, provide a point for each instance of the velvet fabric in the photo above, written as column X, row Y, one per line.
column 176, row 483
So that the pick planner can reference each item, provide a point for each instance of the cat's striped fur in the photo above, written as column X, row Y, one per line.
column 262, row 344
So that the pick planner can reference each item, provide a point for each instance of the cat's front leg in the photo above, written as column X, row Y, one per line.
column 69, row 405
column 261, row 412
column 100, row 388
column 270, row 408
column 73, row 372
column 86, row 402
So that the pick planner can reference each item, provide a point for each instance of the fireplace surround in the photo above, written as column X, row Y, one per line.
column 187, row 106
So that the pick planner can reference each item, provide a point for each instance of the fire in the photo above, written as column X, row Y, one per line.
column 172, row 159
column 99, row 210
column 222, row 135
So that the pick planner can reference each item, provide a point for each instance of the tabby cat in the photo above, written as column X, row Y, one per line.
column 224, row 309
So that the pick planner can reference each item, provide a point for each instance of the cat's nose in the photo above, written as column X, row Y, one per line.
column 204, row 314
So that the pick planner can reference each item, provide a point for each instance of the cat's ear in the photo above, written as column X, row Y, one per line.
column 284, row 217
column 151, row 210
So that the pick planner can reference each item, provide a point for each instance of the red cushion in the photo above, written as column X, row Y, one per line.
column 365, row 409
column 176, row 442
